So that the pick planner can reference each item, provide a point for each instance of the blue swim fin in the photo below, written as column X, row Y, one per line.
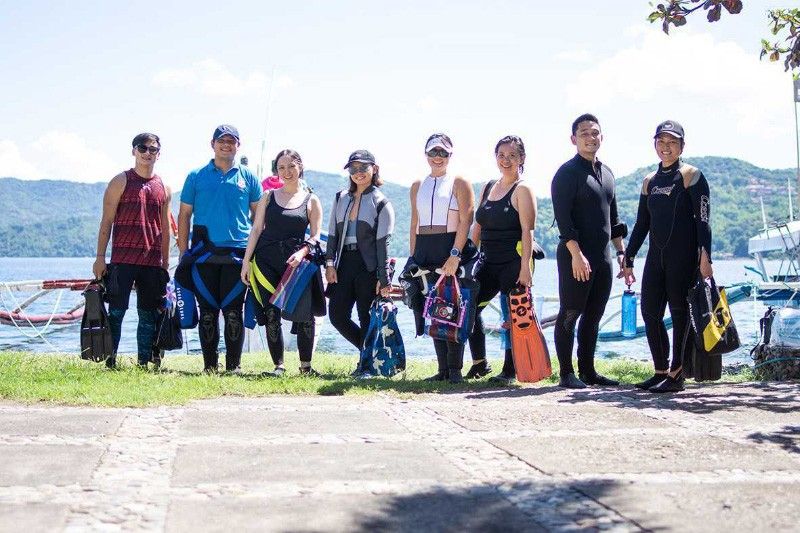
column 187, row 306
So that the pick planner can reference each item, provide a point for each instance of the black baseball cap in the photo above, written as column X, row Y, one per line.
column 360, row 156
column 225, row 129
column 671, row 127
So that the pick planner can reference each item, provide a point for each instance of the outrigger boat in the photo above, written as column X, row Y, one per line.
column 781, row 287
column 19, row 317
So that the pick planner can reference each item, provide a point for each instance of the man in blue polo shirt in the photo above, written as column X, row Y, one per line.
column 218, row 201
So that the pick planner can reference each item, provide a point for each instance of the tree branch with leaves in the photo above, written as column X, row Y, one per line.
column 784, row 25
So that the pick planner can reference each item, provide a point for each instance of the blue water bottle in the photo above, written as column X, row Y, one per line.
column 629, row 313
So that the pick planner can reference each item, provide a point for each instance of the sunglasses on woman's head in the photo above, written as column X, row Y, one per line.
column 437, row 152
column 141, row 148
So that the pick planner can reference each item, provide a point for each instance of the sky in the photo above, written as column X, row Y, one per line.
column 326, row 78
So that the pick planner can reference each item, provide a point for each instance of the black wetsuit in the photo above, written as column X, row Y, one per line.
column 677, row 220
column 501, row 231
column 283, row 234
column 585, row 210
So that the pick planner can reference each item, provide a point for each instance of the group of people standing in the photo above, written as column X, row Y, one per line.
column 242, row 236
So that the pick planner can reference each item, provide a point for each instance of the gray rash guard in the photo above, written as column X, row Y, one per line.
column 374, row 227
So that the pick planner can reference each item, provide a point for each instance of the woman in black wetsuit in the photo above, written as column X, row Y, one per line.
column 503, row 228
column 357, row 255
column 674, row 209
column 277, row 240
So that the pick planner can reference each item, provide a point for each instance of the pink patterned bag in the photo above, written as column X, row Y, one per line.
column 444, row 304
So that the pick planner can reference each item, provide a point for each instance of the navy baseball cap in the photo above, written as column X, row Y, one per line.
column 360, row 156
column 225, row 129
column 671, row 127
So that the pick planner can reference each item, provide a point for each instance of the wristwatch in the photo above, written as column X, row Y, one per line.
column 455, row 252
column 330, row 263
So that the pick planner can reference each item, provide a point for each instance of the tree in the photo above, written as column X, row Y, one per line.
column 781, row 22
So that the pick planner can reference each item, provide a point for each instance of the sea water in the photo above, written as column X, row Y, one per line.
column 66, row 338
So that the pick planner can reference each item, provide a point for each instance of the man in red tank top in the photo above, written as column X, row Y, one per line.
column 136, row 218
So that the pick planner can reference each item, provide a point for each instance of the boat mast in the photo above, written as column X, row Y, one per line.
column 796, row 131
column 261, row 172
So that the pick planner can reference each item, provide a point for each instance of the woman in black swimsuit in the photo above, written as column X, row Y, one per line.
column 503, row 228
column 277, row 240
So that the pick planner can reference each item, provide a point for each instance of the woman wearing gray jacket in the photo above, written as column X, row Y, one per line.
column 357, row 258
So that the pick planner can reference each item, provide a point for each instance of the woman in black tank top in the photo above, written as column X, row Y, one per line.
column 276, row 241
column 504, row 223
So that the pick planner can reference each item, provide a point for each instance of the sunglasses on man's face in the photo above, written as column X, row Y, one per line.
column 357, row 169
column 438, row 152
column 141, row 148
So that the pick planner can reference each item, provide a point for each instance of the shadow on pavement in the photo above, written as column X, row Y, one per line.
column 416, row 386
column 788, row 437
column 783, row 398
column 480, row 508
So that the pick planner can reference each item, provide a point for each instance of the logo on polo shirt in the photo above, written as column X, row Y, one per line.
column 241, row 183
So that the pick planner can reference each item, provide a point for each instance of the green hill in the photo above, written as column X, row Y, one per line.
column 50, row 218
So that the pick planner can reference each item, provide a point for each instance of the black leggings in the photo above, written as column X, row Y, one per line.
column 430, row 252
column 355, row 286
column 449, row 356
column 579, row 299
column 303, row 330
column 220, row 280
column 494, row 279
column 666, row 282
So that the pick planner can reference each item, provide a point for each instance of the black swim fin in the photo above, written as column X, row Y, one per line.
column 96, row 342
column 697, row 363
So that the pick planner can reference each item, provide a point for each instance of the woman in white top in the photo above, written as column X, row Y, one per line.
column 441, row 214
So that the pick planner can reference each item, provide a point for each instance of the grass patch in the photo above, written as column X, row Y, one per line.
column 66, row 379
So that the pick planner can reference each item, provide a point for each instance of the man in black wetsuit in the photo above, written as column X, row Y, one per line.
column 585, row 210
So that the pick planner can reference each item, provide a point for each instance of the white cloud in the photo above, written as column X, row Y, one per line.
column 56, row 155
column 427, row 103
column 574, row 56
column 211, row 78
column 67, row 155
column 690, row 65
column 284, row 82
column 715, row 87
column 13, row 164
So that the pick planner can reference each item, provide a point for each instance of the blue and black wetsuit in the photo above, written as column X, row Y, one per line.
column 501, row 232
column 674, row 210
column 210, row 272
column 585, row 209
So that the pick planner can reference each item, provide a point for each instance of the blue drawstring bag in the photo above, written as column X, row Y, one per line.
column 384, row 352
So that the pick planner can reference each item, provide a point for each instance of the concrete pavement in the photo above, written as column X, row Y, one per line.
column 717, row 457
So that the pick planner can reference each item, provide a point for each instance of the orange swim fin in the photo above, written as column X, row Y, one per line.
column 528, row 345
